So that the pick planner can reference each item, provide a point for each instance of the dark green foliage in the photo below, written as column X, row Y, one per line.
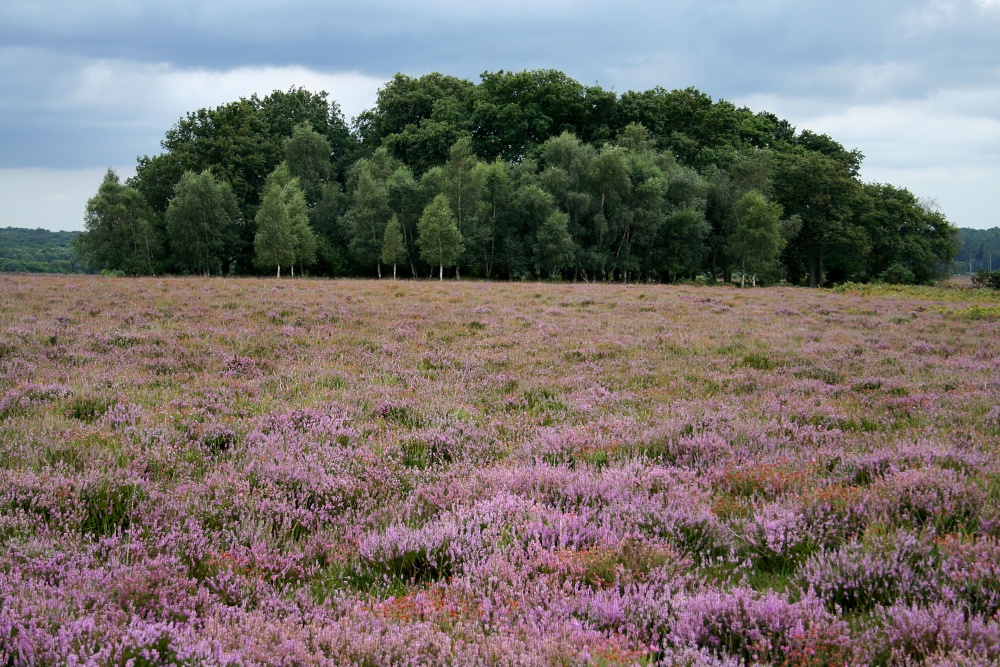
column 517, row 111
column 243, row 142
column 554, row 248
column 760, row 361
column 910, row 240
column 978, row 250
column 986, row 279
column 201, row 222
column 38, row 251
column 543, row 177
column 393, row 246
column 109, row 506
column 897, row 274
column 89, row 408
column 307, row 154
column 439, row 239
column 119, row 234
column 823, row 192
column 418, row 119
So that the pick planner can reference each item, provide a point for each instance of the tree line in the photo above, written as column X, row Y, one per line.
column 521, row 175
column 978, row 250
column 37, row 251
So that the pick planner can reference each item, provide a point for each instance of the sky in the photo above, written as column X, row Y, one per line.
column 914, row 85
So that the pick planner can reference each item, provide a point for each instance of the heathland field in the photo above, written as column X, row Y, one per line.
column 300, row 472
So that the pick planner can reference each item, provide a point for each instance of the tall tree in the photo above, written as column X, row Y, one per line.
column 325, row 220
column 303, row 237
column 622, row 170
column 283, row 233
column 611, row 183
column 201, row 221
column 568, row 174
column 515, row 112
column 368, row 215
column 418, row 119
column 554, row 248
column 406, row 201
column 439, row 239
column 393, row 246
column 463, row 184
column 823, row 193
column 497, row 195
column 756, row 241
column 118, row 234
column 274, row 244
column 297, row 211
column 683, row 122
column 681, row 250
column 908, row 236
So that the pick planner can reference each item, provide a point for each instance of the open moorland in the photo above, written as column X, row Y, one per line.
column 303, row 472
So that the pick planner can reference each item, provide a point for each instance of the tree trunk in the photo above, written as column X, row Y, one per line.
column 441, row 272
column 393, row 271
column 379, row 265
column 279, row 270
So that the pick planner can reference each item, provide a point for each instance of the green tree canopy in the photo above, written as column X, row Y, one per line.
column 307, row 154
column 439, row 239
column 554, row 248
column 756, row 241
column 118, row 234
column 274, row 244
column 649, row 182
column 242, row 143
column 369, row 213
column 201, row 220
column 284, row 237
column 393, row 246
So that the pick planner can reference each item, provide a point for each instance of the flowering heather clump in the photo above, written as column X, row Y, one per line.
column 265, row 472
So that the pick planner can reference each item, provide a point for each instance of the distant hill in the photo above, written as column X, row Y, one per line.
column 38, row 251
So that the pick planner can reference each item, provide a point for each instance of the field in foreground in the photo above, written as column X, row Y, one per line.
column 311, row 472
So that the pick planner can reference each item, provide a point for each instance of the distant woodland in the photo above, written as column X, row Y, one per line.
column 38, row 251
column 521, row 175
column 978, row 250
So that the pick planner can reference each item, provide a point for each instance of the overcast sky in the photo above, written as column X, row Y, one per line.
column 914, row 85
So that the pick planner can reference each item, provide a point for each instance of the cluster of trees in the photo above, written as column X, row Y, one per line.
column 37, row 251
column 523, row 174
column 978, row 250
